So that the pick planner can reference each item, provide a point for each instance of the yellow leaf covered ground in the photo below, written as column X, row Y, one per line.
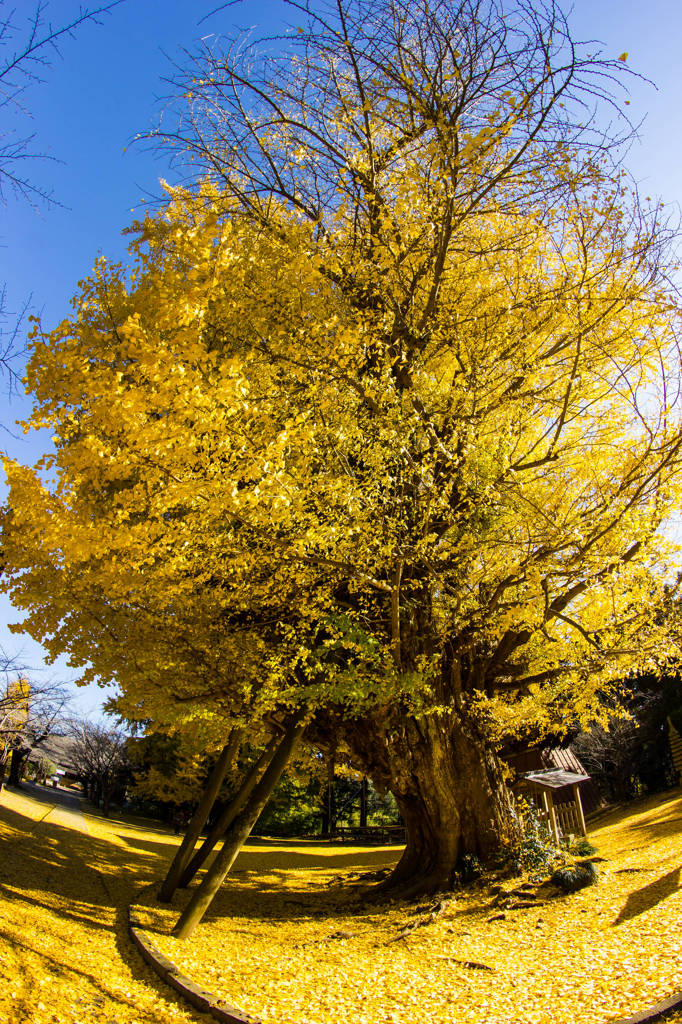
column 283, row 941
column 291, row 939
column 65, row 957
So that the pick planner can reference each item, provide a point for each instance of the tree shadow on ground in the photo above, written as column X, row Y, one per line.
column 54, row 855
column 80, row 878
column 250, row 895
column 649, row 895
column 255, row 861
column 153, row 846
column 45, row 794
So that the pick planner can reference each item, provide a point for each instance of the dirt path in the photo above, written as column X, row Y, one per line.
column 65, row 881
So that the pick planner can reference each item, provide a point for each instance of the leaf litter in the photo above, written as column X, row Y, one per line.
column 295, row 940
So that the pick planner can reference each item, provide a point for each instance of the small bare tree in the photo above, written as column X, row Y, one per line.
column 28, row 45
column 100, row 755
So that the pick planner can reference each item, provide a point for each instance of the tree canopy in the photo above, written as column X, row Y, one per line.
column 383, row 422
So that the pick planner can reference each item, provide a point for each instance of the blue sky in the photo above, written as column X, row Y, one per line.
column 106, row 87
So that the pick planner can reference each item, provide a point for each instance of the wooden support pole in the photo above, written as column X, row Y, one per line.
column 228, row 815
column 579, row 807
column 552, row 817
column 363, row 802
column 239, row 833
column 550, row 814
column 200, row 817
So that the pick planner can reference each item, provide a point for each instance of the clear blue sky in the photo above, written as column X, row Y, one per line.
column 105, row 88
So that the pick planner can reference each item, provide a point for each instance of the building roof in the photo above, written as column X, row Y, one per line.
column 59, row 749
column 555, row 778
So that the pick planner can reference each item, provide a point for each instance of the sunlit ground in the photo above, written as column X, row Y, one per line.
column 65, row 957
column 291, row 938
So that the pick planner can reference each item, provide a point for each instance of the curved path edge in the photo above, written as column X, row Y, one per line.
column 207, row 1002
column 200, row 998
column 657, row 1012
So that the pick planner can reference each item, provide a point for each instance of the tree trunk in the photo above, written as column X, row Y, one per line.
column 363, row 802
column 239, row 833
column 329, row 807
column 227, row 816
column 200, row 817
column 449, row 788
column 16, row 766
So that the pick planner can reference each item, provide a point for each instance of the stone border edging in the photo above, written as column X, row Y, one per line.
column 653, row 1013
column 207, row 1002
column 200, row 998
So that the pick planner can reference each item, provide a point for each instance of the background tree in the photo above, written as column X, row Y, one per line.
column 166, row 770
column 628, row 755
column 387, row 411
column 42, row 768
column 99, row 755
column 29, row 712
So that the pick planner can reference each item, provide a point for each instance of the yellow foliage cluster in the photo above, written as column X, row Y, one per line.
column 382, row 422
column 235, row 447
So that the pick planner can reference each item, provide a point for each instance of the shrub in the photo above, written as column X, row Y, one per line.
column 534, row 850
column 576, row 876
column 583, row 848
column 469, row 868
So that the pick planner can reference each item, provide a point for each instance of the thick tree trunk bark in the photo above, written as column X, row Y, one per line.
column 449, row 787
column 227, row 816
column 239, row 833
column 200, row 817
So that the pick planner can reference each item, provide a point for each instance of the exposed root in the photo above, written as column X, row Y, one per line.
column 472, row 965
column 436, row 911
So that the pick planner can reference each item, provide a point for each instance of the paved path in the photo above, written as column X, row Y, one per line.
column 61, row 808
column 66, row 881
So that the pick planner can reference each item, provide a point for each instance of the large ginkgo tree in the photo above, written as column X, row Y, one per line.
column 379, row 431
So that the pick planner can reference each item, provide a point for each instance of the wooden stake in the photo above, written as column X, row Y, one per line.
column 228, row 815
column 579, row 805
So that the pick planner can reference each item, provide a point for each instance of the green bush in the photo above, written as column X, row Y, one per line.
column 534, row 851
column 583, row 848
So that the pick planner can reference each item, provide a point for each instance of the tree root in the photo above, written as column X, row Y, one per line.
column 472, row 965
column 437, row 910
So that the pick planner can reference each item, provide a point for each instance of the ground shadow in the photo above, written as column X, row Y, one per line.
column 54, row 859
column 154, row 846
column 253, row 895
column 649, row 895
column 262, row 859
column 47, row 794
